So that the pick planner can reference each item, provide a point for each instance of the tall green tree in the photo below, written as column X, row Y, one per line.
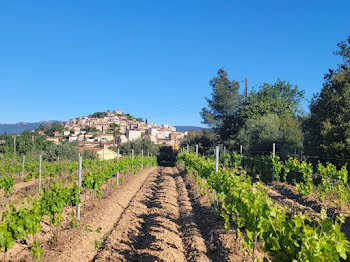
column 221, row 112
column 327, row 130
column 270, row 114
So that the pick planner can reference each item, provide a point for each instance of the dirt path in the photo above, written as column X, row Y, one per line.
column 158, row 225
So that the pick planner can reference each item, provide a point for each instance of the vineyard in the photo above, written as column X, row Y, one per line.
column 247, row 206
column 26, row 216
column 227, row 207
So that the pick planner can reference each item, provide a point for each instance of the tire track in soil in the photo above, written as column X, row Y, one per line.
column 157, row 226
column 192, row 239
column 78, row 244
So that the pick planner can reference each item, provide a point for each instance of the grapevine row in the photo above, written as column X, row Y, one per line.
column 286, row 237
column 17, row 223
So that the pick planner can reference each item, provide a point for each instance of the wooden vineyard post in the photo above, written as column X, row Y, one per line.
column 148, row 165
column 14, row 147
column 79, row 186
column 24, row 159
column 132, row 154
column 118, row 155
column 216, row 171
column 40, row 160
column 188, row 148
column 273, row 154
column 196, row 150
column 224, row 150
column 241, row 150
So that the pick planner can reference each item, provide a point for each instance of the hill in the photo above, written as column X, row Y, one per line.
column 22, row 126
column 188, row 128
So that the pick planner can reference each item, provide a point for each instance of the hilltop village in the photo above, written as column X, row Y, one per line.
column 112, row 128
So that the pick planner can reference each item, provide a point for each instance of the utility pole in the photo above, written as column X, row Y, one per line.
column 246, row 87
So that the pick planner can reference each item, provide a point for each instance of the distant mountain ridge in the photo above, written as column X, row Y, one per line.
column 188, row 128
column 22, row 126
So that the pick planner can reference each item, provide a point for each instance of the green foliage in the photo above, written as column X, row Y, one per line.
column 268, row 115
column 138, row 145
column 26, row 142
column 287, row 238
column 55, row 198
column 87, row 228
column 55, row 127
column 98, row 115
column 166, row 156
column 90, row 129
column 6, row 239
column 206, row 141
column 63, row 151
column 36, row 250
column 223, row 104
column 280, row 98
column 258, row 135
column 6, row 183
column 17, row 223
column 327, row 130
column 98, row 244
column 336, row 188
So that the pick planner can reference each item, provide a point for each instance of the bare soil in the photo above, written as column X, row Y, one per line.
column 157, row 214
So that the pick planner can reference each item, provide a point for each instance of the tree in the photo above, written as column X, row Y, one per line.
column 98, row 115
column 248, row 120
column 280, row 98
column 115, row 129
column 224, row 104
column 206, row 141
column 138, row 145
column 139, row 119
column 271, row 115
column 55, row 127
column 258, row 135
column 344, row 53
column 166, row 156
column 327, row 130
column 90, row 129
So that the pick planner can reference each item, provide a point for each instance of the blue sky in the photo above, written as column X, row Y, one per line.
column 154, row 59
